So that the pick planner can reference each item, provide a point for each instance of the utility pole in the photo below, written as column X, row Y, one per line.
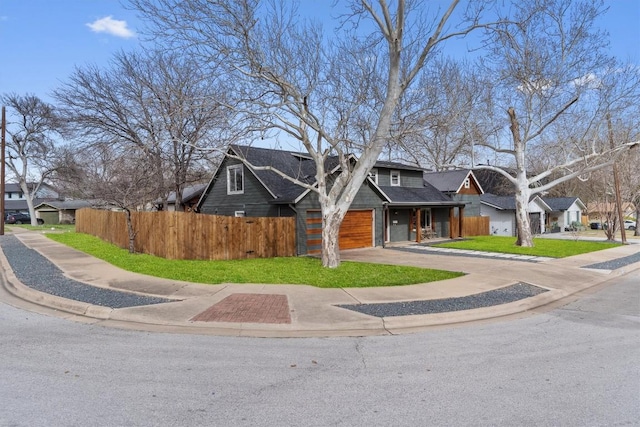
column 2, row 149
column 616, row 184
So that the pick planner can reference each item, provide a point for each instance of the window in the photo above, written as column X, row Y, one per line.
column 395, row 178
column 239, row 213
column 235, row 179
column 373, row 174
column 467, row 182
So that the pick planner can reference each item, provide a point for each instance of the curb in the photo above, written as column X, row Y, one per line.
column 374, row 326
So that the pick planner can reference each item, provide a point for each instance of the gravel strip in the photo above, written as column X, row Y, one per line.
column 37, row 272
column 505, row 295
column 615, row 263
column 470, row 254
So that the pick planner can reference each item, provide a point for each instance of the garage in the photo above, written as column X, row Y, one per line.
column 49, row 217
column 356, row 230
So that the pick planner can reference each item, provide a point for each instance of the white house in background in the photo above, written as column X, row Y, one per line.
column 60, row 211
column 565, row 211
column 501, row 211
column 15, row 200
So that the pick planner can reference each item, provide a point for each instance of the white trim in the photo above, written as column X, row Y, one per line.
column 229, row 176
column 391, row 173
column 373, row 175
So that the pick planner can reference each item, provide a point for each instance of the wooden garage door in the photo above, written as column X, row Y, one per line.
column 356, row 230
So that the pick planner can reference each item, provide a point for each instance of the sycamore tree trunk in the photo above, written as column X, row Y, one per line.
column 331, row 221
column 523, row 192
column 523, row 225
column 26, row 191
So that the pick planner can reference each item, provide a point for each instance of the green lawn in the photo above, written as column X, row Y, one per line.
column 554, row 248
column 300, row 270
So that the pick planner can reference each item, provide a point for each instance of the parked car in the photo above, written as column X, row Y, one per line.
column 20, row 218
column 629, row 225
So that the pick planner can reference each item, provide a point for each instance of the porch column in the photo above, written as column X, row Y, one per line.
column 461, row 221
column 418, row 226
column 451, row 218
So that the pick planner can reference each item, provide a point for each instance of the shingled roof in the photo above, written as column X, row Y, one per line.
column 559, row 204
column 302, row 167
column 297, row 165
column 450, row 181
column 499, row 202
column 414, row 195
column 508, row 202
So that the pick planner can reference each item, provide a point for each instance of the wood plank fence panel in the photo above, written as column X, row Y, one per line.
column 186, row 235
column 473, row 226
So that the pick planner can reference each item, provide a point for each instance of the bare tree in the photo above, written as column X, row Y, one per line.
column 31, row 150
column 549, row 74
column 442, row 117
column 159, row 102
column 336, row 94
column 110, row 179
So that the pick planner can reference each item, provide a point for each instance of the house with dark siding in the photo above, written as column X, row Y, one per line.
column 459, row 184
column 394, row 204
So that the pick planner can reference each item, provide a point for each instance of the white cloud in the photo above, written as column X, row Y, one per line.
column 111, row 26
column 589, row 80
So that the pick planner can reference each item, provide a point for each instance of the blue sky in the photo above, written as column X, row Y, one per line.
column 43, row 40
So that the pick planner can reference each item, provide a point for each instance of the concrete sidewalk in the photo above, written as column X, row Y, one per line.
column 298, row 310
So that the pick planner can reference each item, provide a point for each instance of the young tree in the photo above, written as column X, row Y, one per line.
column 31, row 150
column 336, row 94
column 548, row 72
column 159, row 102
column 110, row 178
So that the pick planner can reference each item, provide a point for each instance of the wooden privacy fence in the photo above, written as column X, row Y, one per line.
column 187, row 235
column 472, row 226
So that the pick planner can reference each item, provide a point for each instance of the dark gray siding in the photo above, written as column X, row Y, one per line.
column 254, row 201
column 407, row 178
column 399, row 225
column 440, row 218
column 472, row 206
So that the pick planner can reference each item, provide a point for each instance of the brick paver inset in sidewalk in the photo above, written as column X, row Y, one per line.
column 248, row 308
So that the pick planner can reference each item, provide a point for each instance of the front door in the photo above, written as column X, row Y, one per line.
column 534, row 218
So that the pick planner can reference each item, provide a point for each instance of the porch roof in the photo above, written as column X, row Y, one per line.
column 417, row 196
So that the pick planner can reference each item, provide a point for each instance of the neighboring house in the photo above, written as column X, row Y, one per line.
column 502, row 213
column 494, row 182
column 565, row 211
column 60, row 211
column 459, row 184
column 190, row 196
column 15, row 200
column 386, row 209
column 598, row 211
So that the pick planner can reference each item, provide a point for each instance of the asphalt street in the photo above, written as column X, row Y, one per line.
column 576, row 365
